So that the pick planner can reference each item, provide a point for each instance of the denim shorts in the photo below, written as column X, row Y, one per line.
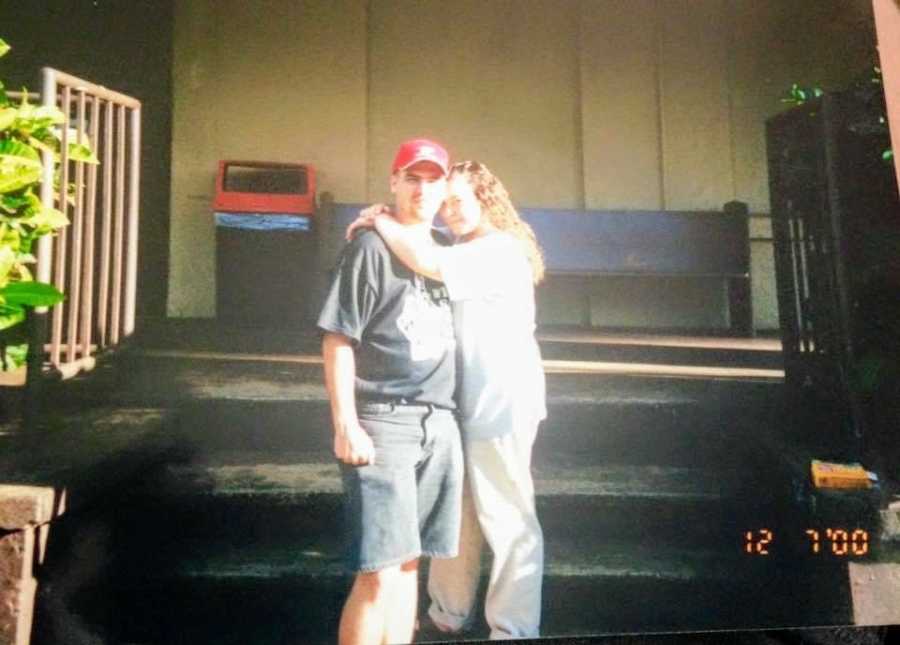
column 408, row 503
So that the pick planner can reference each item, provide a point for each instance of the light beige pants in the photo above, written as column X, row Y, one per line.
column 498, row 506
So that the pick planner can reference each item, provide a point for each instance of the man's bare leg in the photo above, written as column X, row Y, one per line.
column 403, row 606
column 363, row 617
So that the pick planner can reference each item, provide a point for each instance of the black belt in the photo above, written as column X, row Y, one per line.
column 404, row 403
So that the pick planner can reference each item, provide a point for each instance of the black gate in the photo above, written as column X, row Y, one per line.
column 836, row 226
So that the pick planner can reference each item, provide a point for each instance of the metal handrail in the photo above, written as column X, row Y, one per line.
column 100, row 287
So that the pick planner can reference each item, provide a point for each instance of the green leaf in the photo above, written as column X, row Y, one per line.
column 24, row 106
column 11, row 315
column 12, row 203
column 20, row 166
column 7, row 261
column 31, row 294
column 888, row 154
column 16, row 176
column 7, row 117
column 4, row 47
column 15, row 356
column 12, row 239
column 14, row 148
column 4, row 99
column 49, row 113
column 43, row 139
column 31, row 118
column 24, row 273
column 83, row 153
column 47, row 217
column 26, row 242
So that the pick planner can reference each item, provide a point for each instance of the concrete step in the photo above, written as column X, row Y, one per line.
column 556, row 343
column 294, row 594
column 639, row 350
column 174, row 376
column 245, row 498
column 643, row 422
column 259, row 405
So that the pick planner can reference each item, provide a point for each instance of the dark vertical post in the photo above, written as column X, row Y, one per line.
column 740, row 294
column 37, row 325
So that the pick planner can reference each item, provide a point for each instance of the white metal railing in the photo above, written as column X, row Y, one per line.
column 93, row 262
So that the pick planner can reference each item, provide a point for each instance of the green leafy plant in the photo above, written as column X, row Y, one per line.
column 26, row 131
column 887, row 155
column 799, row 95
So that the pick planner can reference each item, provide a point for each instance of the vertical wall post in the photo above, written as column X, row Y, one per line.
column 887, row 26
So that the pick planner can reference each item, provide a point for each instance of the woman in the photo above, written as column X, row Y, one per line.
column 489, row 273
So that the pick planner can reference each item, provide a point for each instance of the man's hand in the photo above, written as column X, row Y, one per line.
column 366, row 219
column 354, row 446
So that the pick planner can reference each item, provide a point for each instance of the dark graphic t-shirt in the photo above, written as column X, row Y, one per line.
column 400, row 322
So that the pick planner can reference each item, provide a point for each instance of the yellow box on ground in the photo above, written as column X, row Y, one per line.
column 832, row 475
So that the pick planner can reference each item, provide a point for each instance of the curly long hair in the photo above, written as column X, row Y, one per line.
column 499, row 210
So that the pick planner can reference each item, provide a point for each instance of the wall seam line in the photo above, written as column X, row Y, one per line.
column 660, row 100
column 579, row 108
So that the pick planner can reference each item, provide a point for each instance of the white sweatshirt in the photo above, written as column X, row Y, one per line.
column 501, row 380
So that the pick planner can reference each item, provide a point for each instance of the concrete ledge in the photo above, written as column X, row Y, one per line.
column 19, row 552
column 21, row 506
column 25, row 514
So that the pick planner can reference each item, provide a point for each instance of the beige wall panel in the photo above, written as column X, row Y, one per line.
column 762, row 74
column 620, row 104
column 760, row 227
column 294, row 88
column 194, row 133
column 762, row 70
column 696, row 132
column 762, row 274
column 763, row 286
column 277, row 80
column 495, row 81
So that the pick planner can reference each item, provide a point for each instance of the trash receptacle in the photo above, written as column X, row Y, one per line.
column 265, row 243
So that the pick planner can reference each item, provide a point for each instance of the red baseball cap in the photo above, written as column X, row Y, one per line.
column 416, row 150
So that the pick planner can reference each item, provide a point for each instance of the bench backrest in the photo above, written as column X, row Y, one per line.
column 692, row 243
column 688, row 243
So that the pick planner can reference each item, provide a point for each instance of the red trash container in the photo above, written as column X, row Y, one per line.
column 265, row 243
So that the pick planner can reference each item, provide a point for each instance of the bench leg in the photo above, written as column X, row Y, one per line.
column 740, row 307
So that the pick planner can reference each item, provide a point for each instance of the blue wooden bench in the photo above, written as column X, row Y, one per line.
column 689, row 244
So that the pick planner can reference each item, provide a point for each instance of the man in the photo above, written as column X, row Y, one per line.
column 389, row 355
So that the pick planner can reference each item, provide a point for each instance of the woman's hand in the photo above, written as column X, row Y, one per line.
column 366, row 219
